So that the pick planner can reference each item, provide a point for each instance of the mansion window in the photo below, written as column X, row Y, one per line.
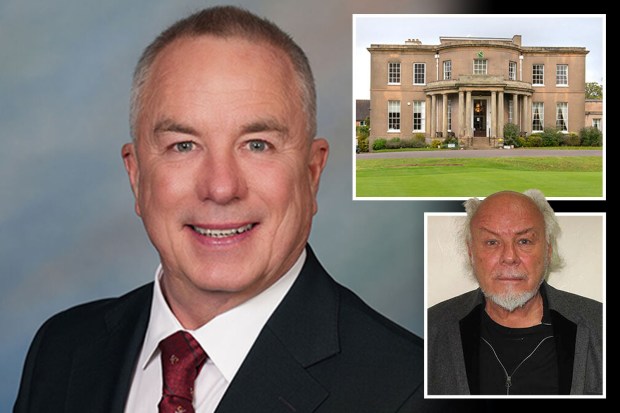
column 538, row 116
column 393, row 73
column 447, row 70
column 561, row 116
column 418, row 115
column 512, row 70
column 480, row 66
column 419, row 73
column 393, row 115
column 511, row 111
column 449, row 113
column 561, row 75
column 538, row 75
column 596, row 123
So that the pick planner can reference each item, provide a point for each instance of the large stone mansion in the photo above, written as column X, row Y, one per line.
column 470, row 88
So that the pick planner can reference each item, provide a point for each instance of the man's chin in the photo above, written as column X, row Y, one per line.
column 511, row 300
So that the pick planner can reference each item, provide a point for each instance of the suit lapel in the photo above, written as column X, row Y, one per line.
column 103, row 366
column 564, row 332
column 271, row 380
column 470, row 344
column 301, row 332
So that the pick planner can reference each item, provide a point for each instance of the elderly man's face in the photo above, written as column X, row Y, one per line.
column 508, row 250
column 224, row 175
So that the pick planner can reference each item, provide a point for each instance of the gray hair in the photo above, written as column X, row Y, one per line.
column 552, row 227
column 226, row 22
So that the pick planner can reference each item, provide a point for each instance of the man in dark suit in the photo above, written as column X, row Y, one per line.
column 225, row 169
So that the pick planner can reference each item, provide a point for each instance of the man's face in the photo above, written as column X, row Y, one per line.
column 224, row 175
column 508, row 250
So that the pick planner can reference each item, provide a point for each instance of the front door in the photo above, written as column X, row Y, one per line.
column 480, row 117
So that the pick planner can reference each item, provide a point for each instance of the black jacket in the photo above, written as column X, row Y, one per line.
column 322, row 350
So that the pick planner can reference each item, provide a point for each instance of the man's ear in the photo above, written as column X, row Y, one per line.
column 319, row 151
column 130, row 159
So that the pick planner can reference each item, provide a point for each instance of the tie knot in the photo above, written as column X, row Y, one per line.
column 181, row 360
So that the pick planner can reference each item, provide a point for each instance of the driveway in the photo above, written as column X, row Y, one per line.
column 480, row 153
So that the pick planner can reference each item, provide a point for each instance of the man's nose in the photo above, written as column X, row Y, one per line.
column 221, row 179
column 510, row 254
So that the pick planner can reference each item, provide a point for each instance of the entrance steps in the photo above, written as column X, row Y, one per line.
column 479, row 142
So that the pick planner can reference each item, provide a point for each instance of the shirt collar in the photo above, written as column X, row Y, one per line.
column 228, row 338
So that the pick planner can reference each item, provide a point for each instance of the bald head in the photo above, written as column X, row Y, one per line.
column 508, row 208
column 516, row 213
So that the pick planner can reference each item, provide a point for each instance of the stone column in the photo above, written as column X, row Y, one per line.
column 515, row 111
column 461, row 130
column 433, row 115
column 444, row 128
column 468, row 131
column 527, row 127
column 500, row 114
column 522, row 113
column 528, row 115
column 427, row 116
column 493, row 114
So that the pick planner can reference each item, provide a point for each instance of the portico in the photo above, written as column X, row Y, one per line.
column 480, row 105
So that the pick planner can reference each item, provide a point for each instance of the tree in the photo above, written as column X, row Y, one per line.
column 362, row 133
column 594, row 90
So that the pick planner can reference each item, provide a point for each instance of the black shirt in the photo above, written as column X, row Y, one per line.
column 527, row 354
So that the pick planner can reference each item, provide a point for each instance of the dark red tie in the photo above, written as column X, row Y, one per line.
column 181, row 361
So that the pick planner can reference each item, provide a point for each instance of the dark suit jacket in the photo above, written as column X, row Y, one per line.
column 454, row 337
column 322, row 350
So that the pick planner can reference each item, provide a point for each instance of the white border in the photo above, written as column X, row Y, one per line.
column 480, row 16
column 603, row 215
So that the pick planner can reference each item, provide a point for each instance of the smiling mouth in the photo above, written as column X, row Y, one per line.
column 222, row 233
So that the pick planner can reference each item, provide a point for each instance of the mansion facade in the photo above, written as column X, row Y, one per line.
column 469, row 88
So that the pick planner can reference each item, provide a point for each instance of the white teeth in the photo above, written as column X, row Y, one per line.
column 222, row 233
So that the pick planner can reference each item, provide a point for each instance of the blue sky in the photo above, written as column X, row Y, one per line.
column 585, row 31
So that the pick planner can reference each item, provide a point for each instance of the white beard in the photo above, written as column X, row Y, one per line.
column 511, row 300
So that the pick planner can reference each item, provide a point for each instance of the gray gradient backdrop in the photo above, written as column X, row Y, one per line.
column 68, row 233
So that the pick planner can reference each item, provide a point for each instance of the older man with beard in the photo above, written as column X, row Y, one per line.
column 515, row 335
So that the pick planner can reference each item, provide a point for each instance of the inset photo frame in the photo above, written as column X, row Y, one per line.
column 582, row 245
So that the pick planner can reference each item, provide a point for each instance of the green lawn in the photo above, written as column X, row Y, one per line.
column 463, row 177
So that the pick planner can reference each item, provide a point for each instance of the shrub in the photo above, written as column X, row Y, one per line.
column 511, row 133
column 378, row 144
column 393, row 143
column 534, row 140
column 570, row 139
column 435, row 143
column 520, row 142
column 362, row 143
column 413, row 143
column 362, row 133
column 450, row 139
column 551, row 137
column 420, row 137
column 590, row 136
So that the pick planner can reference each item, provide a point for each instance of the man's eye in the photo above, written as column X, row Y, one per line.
column 524, row 241
column 491, row 242
column 257, row 146
column 186, row 146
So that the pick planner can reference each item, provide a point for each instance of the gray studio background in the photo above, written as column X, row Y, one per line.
column 68, row 233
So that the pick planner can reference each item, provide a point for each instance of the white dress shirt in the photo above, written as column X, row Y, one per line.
column 227, row 339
